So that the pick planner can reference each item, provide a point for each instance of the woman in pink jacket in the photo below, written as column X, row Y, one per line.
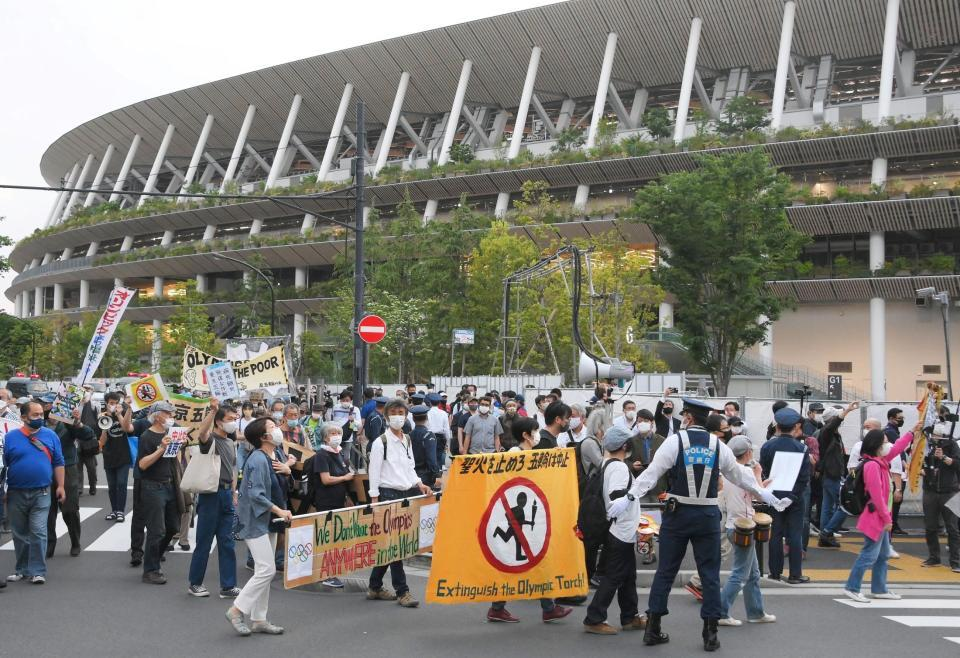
column 876, row 522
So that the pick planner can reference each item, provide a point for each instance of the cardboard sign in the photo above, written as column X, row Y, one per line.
column 178, row 437
column 6, row 426
column 265, row 371
column 146, row 391
column 334, row 544
column 506, row 529
column 302, row 453
column 192, row 375
column 189, row 413
column 222, row 383
column 69, row 397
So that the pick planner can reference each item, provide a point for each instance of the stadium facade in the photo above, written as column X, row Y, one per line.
column 862, row 95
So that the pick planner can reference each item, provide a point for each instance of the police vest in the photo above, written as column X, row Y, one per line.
column 694, row 477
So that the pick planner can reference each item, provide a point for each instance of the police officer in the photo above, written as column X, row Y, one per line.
column 694, row 460
column 424, row 446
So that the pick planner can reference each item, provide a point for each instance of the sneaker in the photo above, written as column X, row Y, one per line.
column 771, row 576
column 501, row 616
column 381, row 594
column 814, row 530
column 638, row 623
column 406, row 600
column 899, row 532
column 886, row 595
column 893, row 555
column 37, row 580
column 136, row 559
column 799, row 580
column 930, row 562
column 120, row 517
column 198, row 590
column 184, row 547
column 236, row 620
column 955, row 568
column 112, row 516
column 93, row 491
column 250, row 565
column 15, row 577
column 765, row 619
column 230, row 593
column 333, row 582
column 558, row 613
column 603, row 628
column 729, row 621
column 266, row 627
column 827, row 542
column 839, row 533
column 856, row 596
column 154, row 578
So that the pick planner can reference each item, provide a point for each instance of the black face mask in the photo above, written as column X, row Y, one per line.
column 899, row 422
column 667, row 411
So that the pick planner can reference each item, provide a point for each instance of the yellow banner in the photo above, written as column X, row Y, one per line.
column 144, row 392
column 506, row 529
column 267, row 370
column 189, row 413
column 332, row 544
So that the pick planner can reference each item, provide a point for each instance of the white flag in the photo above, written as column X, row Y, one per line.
column 116, row 305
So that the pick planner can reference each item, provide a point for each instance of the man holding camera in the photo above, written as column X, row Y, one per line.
column 941, row 482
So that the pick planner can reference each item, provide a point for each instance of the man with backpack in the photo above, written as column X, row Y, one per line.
column 620, row 575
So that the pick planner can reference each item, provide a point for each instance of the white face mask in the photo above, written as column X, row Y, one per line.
column 347, row 404
column 276, row 436
column 168, row 422
column 484, row 409
column 863, row 433
column 536, row 440
column 575, row 423
column 644, row 427
column 736, row 429
column 885, row 449
column 277, row 416
column 335, row 441
column 111, row 408
column 230, row 427
column 315, row 415
column 818, row 418
column 397, row 422
column 942, row 429
column 630, row 414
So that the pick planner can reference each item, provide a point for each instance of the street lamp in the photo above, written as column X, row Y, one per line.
column 273, row 301
column 942, row 298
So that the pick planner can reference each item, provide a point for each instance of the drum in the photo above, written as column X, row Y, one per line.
column 743, row 532
column 764, row 523
column 645, row 540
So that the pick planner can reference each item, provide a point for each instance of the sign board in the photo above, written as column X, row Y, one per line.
column 146, row 391
column 463, row 336
column 178, row 437
column 264, row 371
column 221, row 380
column 334, row 544
column 372, row 329
column 7, row 426
column 69, row 397
column 834, row 387
column 192, row 375
column 506, row 529
column 189, row 412
column 116, row 304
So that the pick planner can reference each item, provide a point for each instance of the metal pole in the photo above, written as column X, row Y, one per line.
column 944, row 309
column 359, row 347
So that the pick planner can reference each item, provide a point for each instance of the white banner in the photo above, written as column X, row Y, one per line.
column 116, row 305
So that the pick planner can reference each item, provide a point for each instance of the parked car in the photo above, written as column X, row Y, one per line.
column 24, row 387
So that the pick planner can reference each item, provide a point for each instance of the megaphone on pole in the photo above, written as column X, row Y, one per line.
column 590, row 369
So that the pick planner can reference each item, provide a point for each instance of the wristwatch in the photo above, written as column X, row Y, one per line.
column 631, row 497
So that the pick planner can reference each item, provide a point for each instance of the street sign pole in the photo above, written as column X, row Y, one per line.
column 359, row 347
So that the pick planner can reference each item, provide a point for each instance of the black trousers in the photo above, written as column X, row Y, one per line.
column 69, row 509
column 619, row 579
column 138, row 521
column 88, row 462
column 934, row 512
column 163, row 520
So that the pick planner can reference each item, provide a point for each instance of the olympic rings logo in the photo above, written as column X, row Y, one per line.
column 428, row 524
column 300, row 552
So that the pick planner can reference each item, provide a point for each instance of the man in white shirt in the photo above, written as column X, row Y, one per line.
column 628, row 420
column 620, row 575
column 393, row 476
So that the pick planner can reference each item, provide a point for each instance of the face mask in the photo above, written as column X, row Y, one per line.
column 736, row 429
column 667, row 411
column 484, row 409
column 472, row 407
column 35, row 423
column 347, row 404
column 818, row 418
column 230, row 427
column 315, row 415
column 111, row 408
column 942, row 429
column 644, row 427
column 575, row 423
column 863, row 433
column 276, row 436
column 397, row 422
column 277, row 415
column 293, row 422
column 168, row 422
column 511, row 412
column 630, row 415
column 885, row 449
column 900, row 422
column 335, row 441
column 536, row 440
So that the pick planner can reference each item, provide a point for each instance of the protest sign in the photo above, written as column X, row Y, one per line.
column 178, row 437
column 192, row 375
column 146, row 391
column 103, row 332
column 506, row 529
column 189, row 413
column 222, row 383
column 333, row 544
column 6, row 426
column 69, row 397
column 265, row 371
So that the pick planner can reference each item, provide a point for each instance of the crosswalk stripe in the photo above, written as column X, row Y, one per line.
column 85, row 513
column 117, row 540
column 953, row 639
column 906, row 604
column 926, row 622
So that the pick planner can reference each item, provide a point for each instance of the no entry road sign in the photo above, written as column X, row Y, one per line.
column 372, row 329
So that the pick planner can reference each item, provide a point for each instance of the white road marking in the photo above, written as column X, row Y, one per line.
column 906, row 604
column 117, row 540
column 953, row 639
column 927, row 622
column 85, row 513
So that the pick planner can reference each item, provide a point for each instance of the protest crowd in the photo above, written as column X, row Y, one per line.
column 239, row 470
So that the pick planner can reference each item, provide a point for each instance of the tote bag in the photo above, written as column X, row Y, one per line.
column 202, row 474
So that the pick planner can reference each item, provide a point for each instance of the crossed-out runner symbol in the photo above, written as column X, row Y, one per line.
column 515, row 529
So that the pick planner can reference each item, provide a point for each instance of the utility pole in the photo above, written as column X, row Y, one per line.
column 359, row 347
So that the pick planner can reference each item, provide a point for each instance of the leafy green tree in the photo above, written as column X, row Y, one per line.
column 4, row 242
column 569, row 139
column 536, row 205
column 188, row 325
column 743, row 114
column 461, row 153
column 657, row 122
column 727, row 233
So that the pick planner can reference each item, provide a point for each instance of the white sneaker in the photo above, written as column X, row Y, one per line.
column 765, row 619
column 856, row 596
column 729, row 621
column 15, row 577
column 37, row 580
column 893, row 555
column 886, row 595
column 198, row 590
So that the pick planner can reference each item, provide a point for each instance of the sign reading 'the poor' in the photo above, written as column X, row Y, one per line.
column 506, row 529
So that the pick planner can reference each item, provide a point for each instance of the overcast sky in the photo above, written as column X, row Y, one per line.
column 66, row 62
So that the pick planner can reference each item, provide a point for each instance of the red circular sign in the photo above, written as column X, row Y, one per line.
column 530, row 548
column 372, row 329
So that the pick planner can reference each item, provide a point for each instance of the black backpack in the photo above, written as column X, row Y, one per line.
column 581, row 473
column 853, row 493
column 592, row 516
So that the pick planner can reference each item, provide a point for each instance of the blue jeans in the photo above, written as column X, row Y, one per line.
column 397, row 576
column 28, row 510
column 117, row 487
column 831, row 516
column 745, row 576
column 872, row 556
column 788, row 525
column 215, row 517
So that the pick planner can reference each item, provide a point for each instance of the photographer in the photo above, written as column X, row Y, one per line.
column 941, row 481
column 116, row 452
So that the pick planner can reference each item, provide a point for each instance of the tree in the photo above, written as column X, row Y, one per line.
column 569, row 139
column 188, row 325
column 743, row 114
column 725, row 233
column 461, row 153
column 536, row 205
column 657, row 122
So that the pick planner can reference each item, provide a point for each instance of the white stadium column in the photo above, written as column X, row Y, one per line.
column 125, row 169
column 599, row 103
column 56, row 204
column 151, row 184
column 62, row 199
column 195, row 158
column 280, row 157
column 450, row 130
column 84, row 284
column 520, row 123
column 299, row 319
column 238, row 148
column 686, row 85
column 98, row 177
column 784, row 64
column 77, row 184
column 335, row 132
column 392, row 122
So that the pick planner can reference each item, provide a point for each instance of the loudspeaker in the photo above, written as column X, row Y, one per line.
column 590, row 370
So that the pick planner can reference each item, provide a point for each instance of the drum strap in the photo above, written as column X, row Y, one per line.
column 696, row 496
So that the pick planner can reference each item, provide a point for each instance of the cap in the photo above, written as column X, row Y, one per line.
column 787, row 417
column 831, row 412
column 443, row 394
column 419, row 395
column 739, row 445
column 433, row 398
column 696, row 405
column 815, row 406
column 380, row 400
column 163, row 405
column 420, row 410
column 22, row 400
column 615, row 438
column 735, row 420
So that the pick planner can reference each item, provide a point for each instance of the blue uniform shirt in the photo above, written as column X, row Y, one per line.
column 786, row 443
column 29, row 467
